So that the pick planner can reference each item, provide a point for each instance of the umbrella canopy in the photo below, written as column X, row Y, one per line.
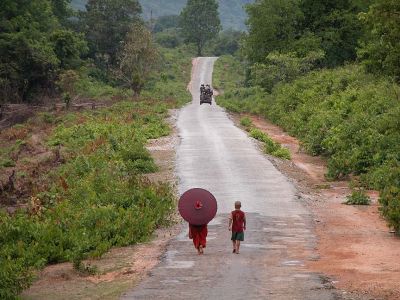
column 197, row 206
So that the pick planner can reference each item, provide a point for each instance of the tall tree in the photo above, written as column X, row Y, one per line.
column 107, row 23
column 62, row 10
column 138, row 58
column 380, row 50
column 337, row 24
column 27, row 60
column 33, row 46
column 200, row 22
column 272, row 24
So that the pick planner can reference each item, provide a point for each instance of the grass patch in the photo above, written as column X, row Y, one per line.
column 246, row 122
column 358, row 197
column 270, row 146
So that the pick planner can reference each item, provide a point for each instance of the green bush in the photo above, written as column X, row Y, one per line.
column 271, row 147
column 282, row 153
column 246, row 122
column 390, row 194
column 7, row 163
column 358, row 197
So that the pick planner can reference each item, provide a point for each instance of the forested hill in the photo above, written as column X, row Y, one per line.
column 232, row 12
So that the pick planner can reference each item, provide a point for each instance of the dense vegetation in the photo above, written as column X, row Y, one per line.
column 232, row 13
column 98, row 198
column 328, row 73
column 91, row 192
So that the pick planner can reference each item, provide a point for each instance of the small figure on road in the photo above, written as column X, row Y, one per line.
column 198, row 207
column 237, row 224
column 198, row 233
column 202, row 88
column 209, row 90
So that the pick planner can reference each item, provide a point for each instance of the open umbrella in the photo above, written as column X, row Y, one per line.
column 197, row 206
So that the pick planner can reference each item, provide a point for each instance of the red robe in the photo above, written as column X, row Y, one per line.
column 199, row 234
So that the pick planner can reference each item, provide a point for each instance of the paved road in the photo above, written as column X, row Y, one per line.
column 215, row 155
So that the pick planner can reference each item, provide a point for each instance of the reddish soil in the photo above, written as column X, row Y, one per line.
column 355, row 246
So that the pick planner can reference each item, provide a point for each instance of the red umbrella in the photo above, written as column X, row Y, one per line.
column 197, row 206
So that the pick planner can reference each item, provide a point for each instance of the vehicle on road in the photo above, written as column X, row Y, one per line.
column 206, row 94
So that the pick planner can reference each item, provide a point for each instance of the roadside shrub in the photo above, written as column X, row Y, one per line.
column 390, row 195
column 246, row 122
column 358, row 197
column 270, row 147
column 282, row 153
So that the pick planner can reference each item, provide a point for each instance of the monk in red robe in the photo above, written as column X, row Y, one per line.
column 199, row 234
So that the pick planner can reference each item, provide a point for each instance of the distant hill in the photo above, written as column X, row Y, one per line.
column 231, row 11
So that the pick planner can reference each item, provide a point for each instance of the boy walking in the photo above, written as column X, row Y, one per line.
column 237, row 224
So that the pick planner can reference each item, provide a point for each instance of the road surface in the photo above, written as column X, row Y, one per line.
column 215, row 155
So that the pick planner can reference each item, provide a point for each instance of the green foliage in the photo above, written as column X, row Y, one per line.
column 171, row 83
column 243, row 100
column 166, row 22
column 270, row 147
column 390, row 194
column 47, row 118
column 280, row 26
column 101, row 200
column 227, row 43
column 246, row 122
column 27, row 59
column 200, row 22
column 33, row 46
column 138, row 58
column 280, row 68
column 7, row 162
column 272, row 26
column 69, row 48
column 169, row 38
column 231, row 11
column 107, row 24
column 380, row 49
column 337, row 24
column 62, row 10
column 358, row 197
column 229, row 73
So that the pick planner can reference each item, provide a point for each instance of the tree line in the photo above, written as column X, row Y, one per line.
column 45, row 43
column 39, row 40
column 290, row 38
